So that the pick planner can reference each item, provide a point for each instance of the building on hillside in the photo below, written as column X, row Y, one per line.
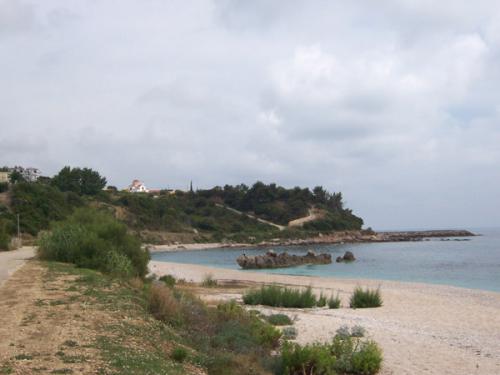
column 137, row 187
column 4, row 177
column 29, row 174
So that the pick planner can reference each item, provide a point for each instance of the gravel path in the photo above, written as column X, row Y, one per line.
column 10, row 261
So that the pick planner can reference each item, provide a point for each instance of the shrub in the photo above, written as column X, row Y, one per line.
column 309, row 359
column 345, row 355
column 169, row 280
column 280, row 297
column 279, row 320
column 94, row 239
column 4, row 237
column 365, row 298
column 358, row 331
column 163, row 305
column 4, row 186
column 179, row 354
column 209, row 281
column 355, row 356
column 334, row 302
column 343, row 331
column 321, row 300
column 289, row 333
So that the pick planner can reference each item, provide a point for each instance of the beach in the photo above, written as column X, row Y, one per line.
column 422, row 328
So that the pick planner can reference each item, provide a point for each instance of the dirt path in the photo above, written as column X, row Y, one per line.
column 10, row 261
column 280, row 227
column 314, row 214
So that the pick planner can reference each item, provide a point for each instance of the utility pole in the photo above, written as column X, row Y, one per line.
column 18, row 231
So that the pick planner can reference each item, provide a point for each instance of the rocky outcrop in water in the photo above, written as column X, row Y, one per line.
column 348, row 257
column 274, row 260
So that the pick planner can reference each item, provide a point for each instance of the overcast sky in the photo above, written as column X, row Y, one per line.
column 394, row 103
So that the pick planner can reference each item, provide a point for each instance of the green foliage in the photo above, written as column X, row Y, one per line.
column 365, row 298
column 289, row 333
column 39, row 204
column 4, row 186
column 279, row 320
column 314, row 359
column 334, row 302
column 277, row 296
column 169, row 280
column 281, row 205
column 16, row 177
column 4, row 235
column 321, row 300
column 355, row 356
column 345, row 355
column 94, row 239
column 80, row 181
column 179, row 354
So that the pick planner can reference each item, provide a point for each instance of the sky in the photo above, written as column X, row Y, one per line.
column 394, row 103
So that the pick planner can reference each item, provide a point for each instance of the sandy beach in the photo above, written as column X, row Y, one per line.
column 422, row 328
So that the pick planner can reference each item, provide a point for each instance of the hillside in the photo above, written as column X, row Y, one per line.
column 232, row 213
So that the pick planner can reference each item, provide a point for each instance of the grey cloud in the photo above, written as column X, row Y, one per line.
column 395, row 103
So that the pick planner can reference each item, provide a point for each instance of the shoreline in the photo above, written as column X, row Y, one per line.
column 340, row 237
column 422, row 328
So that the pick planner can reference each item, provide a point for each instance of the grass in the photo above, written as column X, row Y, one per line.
column 277, row 296
column 279, row 320
column 209, row 281
column 365, row 298
column 169, row 280
column 179, row 354
column 334, row 302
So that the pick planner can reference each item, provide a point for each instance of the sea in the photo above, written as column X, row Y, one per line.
column 470, row 262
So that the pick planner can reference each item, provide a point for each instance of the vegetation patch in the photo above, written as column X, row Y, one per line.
column 365, row 298
column 279, row 320
column 278, row 296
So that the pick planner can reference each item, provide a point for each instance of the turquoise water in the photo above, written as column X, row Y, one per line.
column 470, row 264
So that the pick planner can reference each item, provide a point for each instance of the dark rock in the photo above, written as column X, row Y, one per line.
column 348, row 257
column 273, row 260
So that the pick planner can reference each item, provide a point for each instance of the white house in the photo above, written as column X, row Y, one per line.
column 137, row 187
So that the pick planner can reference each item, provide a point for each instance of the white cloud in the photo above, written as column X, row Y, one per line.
column 392, row 102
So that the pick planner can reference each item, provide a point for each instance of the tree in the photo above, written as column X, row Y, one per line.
column 16, row 177
column 81, row 181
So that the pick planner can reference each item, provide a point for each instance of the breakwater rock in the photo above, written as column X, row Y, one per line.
column 273, row 260
column 348, row 257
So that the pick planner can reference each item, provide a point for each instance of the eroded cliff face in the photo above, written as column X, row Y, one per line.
column 273, row 260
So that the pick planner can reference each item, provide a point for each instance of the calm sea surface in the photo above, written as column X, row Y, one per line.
column 470, row 264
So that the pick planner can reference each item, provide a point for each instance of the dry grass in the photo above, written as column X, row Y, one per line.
column 162, row 304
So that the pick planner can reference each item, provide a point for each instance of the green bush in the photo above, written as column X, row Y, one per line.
column 289, row 333
column 315, row 359
column 4, row 237
column 179, row 354
column 94, row 239
column 334, row 302
column 355, row 356
column 365, row 298
column 321, row 300
column 277, row 296
column 279, row 320
column 345, row 355
column 169, row 280
column 4, row 186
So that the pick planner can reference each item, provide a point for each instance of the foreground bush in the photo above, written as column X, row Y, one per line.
column 279, row 320
column 163, row 305
column 365, row 298
column 345, row 355
column 94, row 239
column 277, row 296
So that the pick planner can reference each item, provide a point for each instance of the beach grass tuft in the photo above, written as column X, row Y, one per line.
column 277, row 296
column 365, row 298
